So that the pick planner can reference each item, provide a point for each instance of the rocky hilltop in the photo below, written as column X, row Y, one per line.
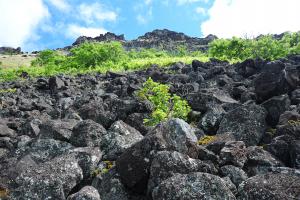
column 163, row 39
column 83, row 137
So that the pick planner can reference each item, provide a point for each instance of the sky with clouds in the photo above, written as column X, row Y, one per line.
column 40, row 24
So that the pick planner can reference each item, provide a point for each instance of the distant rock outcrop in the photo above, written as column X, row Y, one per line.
column 10, row 50
column 159, row 39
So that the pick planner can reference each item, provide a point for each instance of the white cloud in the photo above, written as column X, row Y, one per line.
column 92, row 13
column 201, row 10
column 19, row 20
column 141, row 19
column 148, row 2
column 252, row 17
column 74, row 31
column 61, row 4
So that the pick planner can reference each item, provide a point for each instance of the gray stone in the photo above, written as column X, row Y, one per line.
column 246, row 123
column 193, row 186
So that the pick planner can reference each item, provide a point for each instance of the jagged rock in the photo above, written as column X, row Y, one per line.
column 86, row 193
column 275, row 106
column 165, row 164
column 211, row 119
column 249, row 67
column 246, row 123
column 119, row 137
column 230, row 185
column 43, row 150
column 271, row 82
column 291, row 128
column 111, row 188
column 51, row 180
column 270, row 186
column 259, row 160
column 192, row 186
column 134, row 164
column 233, row 153
column 55, row 83
column 295, row 154
column 236, row 175
column 295, row 97
column 6, row 132
column 287, row 116
column 205, row 154
column 57, row 129
column 87, row 133
column 279, row 148
column 136, row 121
column 203, row 101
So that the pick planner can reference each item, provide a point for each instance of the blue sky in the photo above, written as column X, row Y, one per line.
column 40, row 24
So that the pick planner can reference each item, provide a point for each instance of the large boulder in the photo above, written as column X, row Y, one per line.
column 51, row 180
column 134, row 164
column 87, row 133
column 275, row 186
column 271, row 82
column 165, row 164
column 193, row 186
column 233, row 153
column 275, row 106
column 295, row 154
column 246, row 123
column 259, row 161
column 202, row 101
column 86, row 193
column 236, row 175
column 211, row 119
column 57, row 129
column 119, row 137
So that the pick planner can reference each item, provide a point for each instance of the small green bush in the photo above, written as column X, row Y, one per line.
column 95, row 54
column 165, row 105
column 265, row 47
column 48, row 57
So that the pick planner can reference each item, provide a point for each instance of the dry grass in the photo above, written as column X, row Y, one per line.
column 13, row 61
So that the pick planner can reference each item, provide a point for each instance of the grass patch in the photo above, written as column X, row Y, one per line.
column 110, row 56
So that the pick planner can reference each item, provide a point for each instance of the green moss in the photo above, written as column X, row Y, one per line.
column 9, row 90
column 294, row 123
column 206, row 140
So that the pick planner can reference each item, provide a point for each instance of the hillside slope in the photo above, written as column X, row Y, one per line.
column 73, row 137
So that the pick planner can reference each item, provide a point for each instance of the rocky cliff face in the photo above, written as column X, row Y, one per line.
column 83, row 137
column 163, row 39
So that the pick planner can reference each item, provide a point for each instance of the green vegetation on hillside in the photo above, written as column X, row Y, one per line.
column 102, row 57
column 265, row 47
column 165, row 105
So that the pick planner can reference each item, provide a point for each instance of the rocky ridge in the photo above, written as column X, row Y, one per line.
column 158, row 39
column 83, row 137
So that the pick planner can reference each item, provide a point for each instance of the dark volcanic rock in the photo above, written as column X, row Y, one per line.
column 246, row 123
column 87, row 134
column 270, row 186
column 275, row 107
column 271, row 82
column 165, row 164
column 119, row 137
column 84, row 137
column 193, row 186
column 134, row 164
column 86, row 193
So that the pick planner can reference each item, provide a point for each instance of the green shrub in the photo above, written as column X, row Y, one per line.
column 265, row 47
column 95, row 54
column 47, row 57
column 165, row 105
